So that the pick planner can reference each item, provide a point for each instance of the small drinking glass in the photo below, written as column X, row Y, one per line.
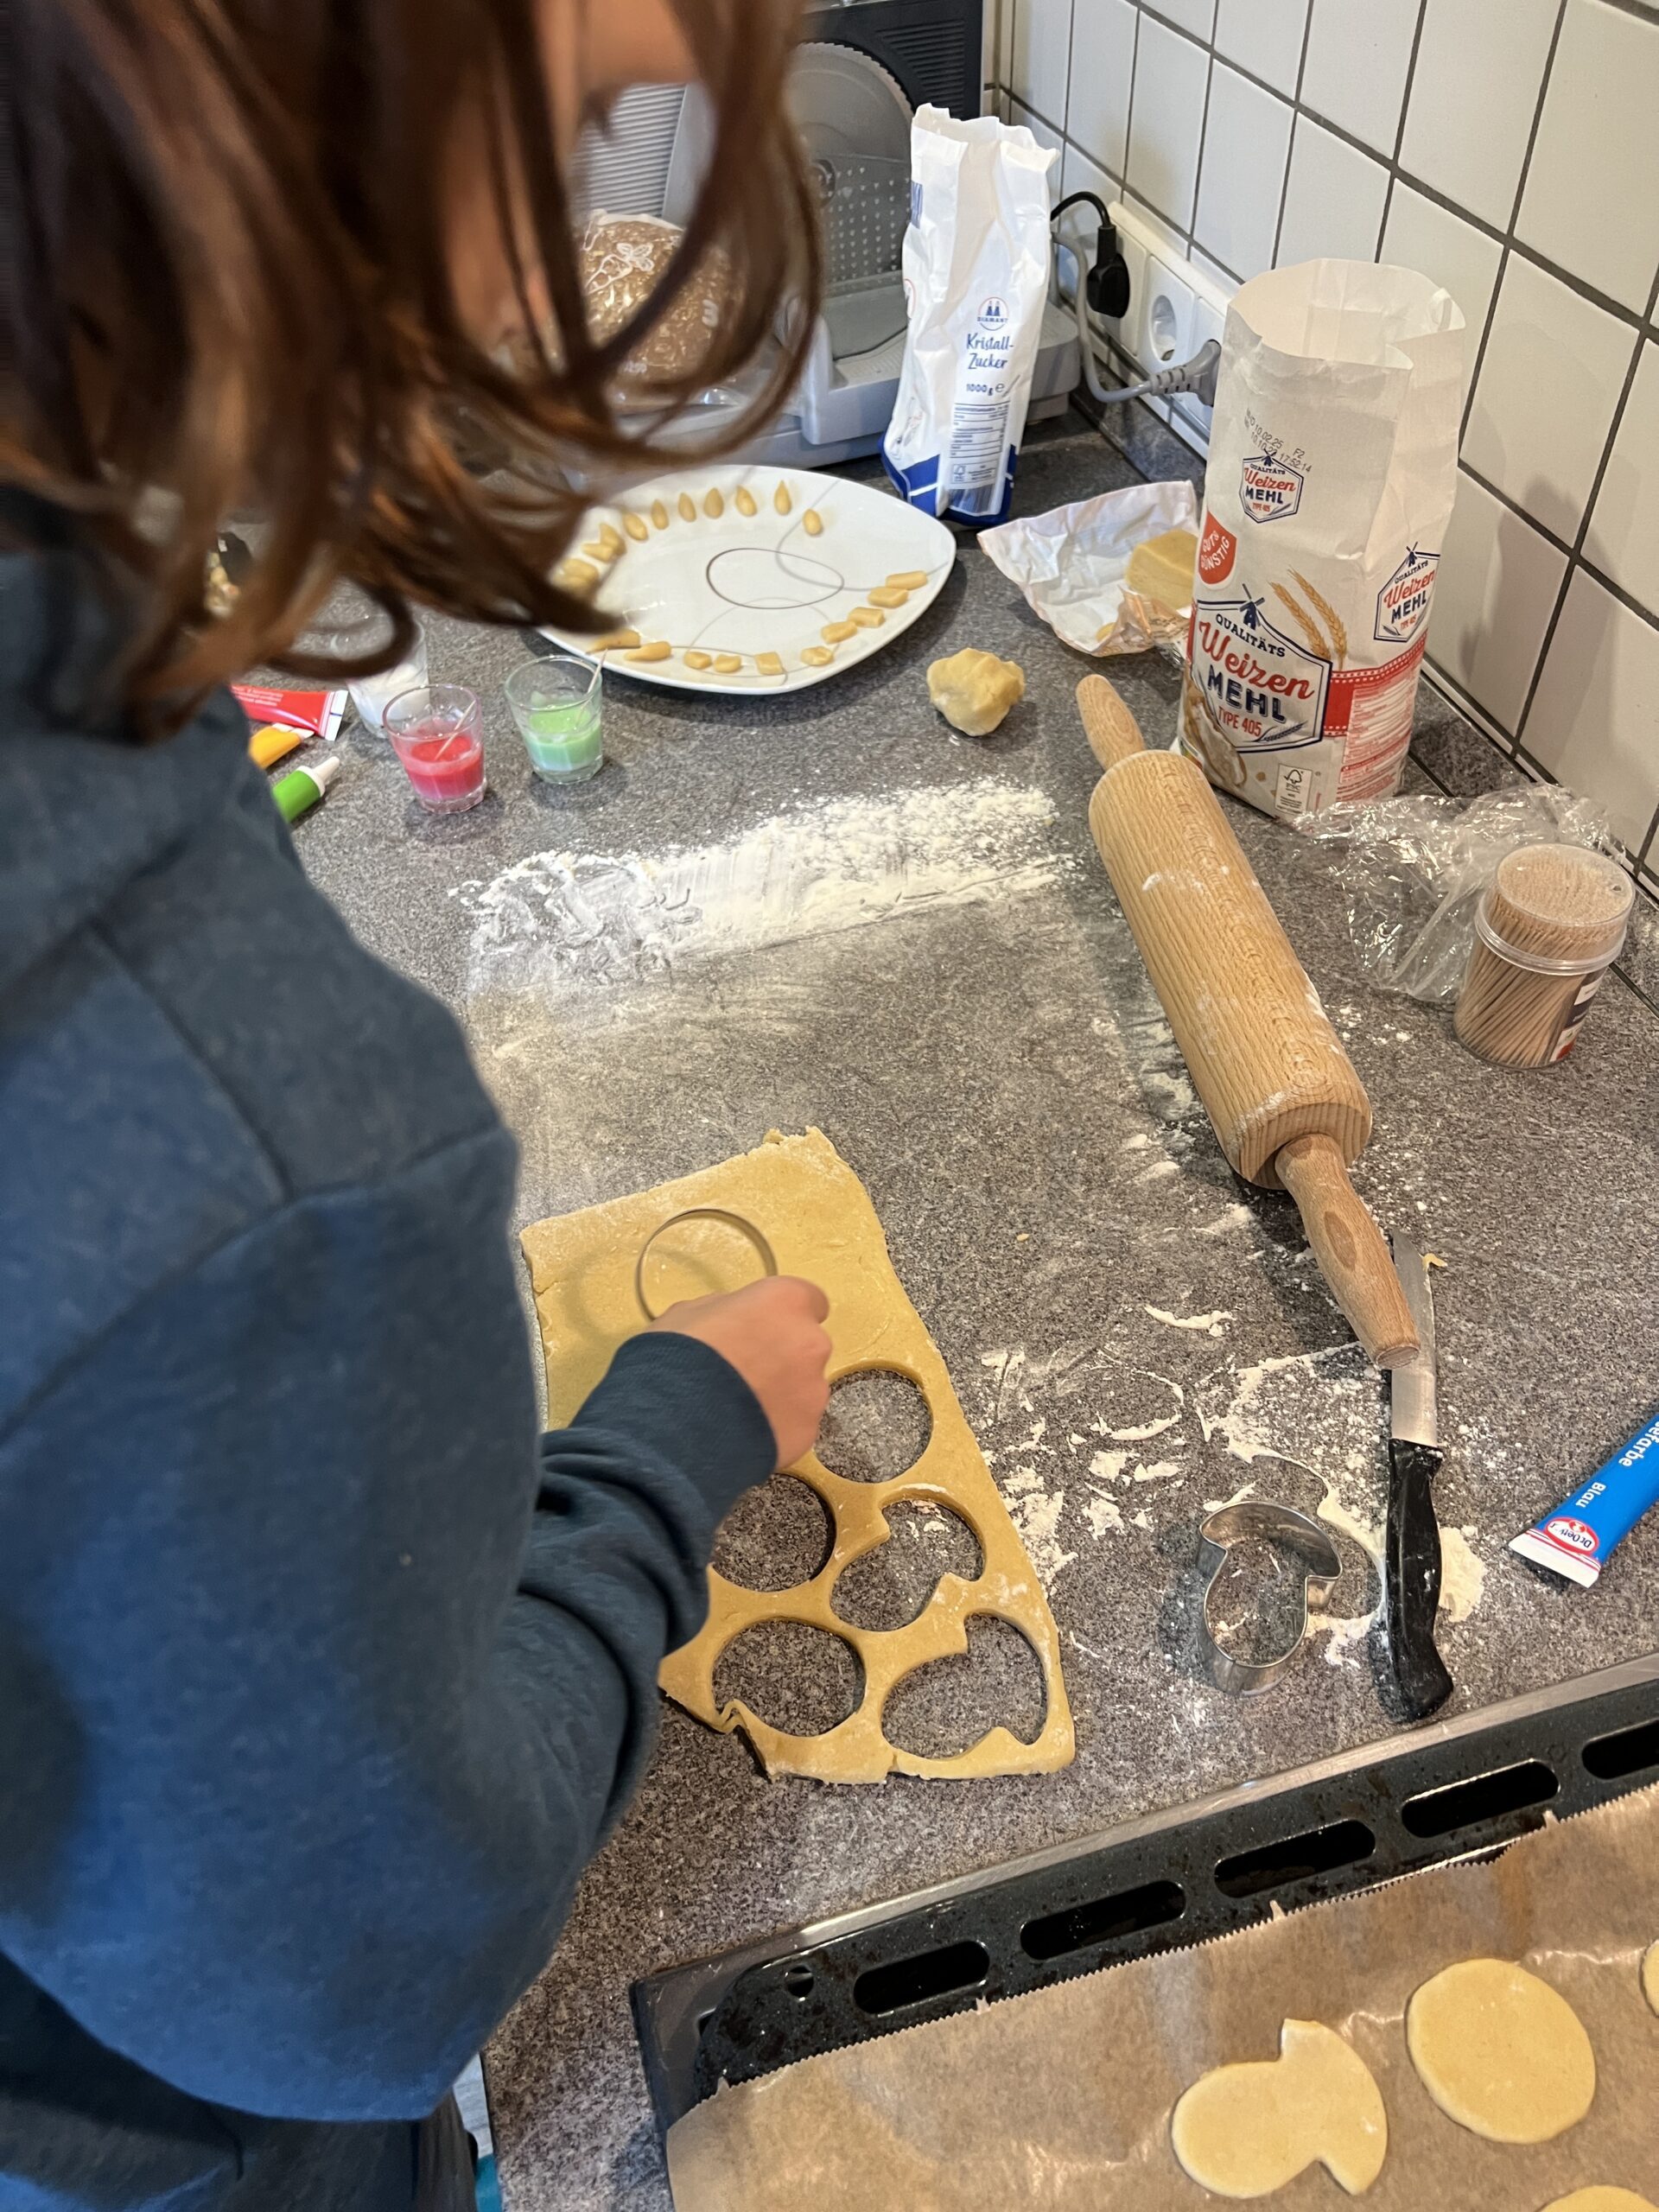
column 435, row 731
column 557, row 703
column 372, row 695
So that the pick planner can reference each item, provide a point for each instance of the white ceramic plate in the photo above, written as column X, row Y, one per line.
column 762, row 583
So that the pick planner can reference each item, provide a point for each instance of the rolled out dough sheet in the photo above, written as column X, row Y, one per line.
column 818, row 1220
column 1500, row 2051
column 1246, row 2129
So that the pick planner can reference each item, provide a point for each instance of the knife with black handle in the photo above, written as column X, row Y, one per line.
column 1412, row 1562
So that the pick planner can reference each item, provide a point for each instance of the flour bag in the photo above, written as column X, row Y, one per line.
column 1333, row 457
column 977, row 264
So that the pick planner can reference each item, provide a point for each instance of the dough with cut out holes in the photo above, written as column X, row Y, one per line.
column 1500, row 2051
column 816, row 1216
column 1247, row 2130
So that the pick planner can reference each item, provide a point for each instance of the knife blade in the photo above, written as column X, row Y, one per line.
column 1411, row 1575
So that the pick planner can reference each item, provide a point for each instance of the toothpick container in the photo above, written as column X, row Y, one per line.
column 1549, row 924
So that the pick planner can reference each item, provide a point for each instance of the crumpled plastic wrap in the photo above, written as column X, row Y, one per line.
column 1413, row 870
column 622, row 260
column 1071, row 565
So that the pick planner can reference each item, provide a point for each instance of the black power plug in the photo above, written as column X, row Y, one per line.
column 1106, row 282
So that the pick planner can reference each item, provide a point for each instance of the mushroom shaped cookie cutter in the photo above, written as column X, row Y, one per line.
column 1257, row 1520
column 768, row 1261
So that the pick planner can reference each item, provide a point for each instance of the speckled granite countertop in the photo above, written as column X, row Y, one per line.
column 998, row 1072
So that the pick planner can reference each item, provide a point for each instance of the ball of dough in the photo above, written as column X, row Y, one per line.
column 974, row 690
column 1500, row 2051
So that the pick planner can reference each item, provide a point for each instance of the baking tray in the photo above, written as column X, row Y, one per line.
column 1454, row 1790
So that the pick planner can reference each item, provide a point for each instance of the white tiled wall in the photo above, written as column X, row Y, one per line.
column 1510, row 150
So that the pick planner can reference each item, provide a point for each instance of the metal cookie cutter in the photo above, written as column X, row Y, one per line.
column 698, row 1213
column 1250, row 1521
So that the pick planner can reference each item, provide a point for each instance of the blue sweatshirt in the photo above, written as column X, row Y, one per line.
column 321, row 1675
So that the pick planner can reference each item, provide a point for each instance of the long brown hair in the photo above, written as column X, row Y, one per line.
column 227, row 278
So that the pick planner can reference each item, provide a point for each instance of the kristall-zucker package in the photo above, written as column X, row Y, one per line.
column 1333, row 463
column 976, row 262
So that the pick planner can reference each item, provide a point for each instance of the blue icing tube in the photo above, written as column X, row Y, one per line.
column 1575, row 1539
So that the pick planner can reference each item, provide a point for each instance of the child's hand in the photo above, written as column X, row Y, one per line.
column 771, row 1332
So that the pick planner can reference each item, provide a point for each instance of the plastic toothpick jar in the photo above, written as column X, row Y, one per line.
column 1549, row 924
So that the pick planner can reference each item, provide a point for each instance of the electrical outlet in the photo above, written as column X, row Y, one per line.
column 1170, row 300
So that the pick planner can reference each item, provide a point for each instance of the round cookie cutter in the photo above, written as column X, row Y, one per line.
column 746, row 1228
column 1253, row 1520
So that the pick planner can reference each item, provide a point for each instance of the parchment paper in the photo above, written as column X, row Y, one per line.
column 1072, row 562
column 1062, row 2099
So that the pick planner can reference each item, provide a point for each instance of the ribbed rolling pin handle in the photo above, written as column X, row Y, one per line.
column 1112, row 730
column 1351, row 1251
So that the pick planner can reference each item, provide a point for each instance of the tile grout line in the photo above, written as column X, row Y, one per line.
column 1399, row 174
column 1190, row 232
column 1576, row 561
column 1297, row 112
column 1400, row 127
column 1564, row 546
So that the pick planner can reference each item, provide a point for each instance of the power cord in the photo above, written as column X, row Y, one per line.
column 1105, row 288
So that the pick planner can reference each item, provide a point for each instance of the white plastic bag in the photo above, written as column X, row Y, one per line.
column 1332, row 469
column 1072, row 565
column 976, row 264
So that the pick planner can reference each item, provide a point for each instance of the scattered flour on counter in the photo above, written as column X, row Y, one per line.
column 563, row 922
column 1370, row 1540
column 1160, row 1470
column 1211, row 1324
column 1463, row 1574
column 1103, row 1513
column 1109, row 1467
column 1036, row 1513
column 1232, row 1217
column 1142, row 1519
column 1219, row 1505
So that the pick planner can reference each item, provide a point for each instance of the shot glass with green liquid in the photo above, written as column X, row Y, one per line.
column 558, row 704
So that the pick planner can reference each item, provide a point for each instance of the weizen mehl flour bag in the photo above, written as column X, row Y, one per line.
column 1332, row 469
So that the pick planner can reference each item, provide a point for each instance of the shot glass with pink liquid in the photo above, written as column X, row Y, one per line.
column 435, row 732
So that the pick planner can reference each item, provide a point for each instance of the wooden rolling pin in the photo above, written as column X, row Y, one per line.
column 1280, row 1093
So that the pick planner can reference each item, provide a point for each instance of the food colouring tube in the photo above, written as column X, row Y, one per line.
column 1576, row 1538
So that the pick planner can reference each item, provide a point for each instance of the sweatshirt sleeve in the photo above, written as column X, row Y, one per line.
column 336, row 1674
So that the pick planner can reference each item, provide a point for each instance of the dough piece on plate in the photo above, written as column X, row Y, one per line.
column 1247, row 2130
column 1602, row 2200
column 713, row 504
column 812, row 522
column 1650, row 1977
column 688, row 507
column 612, row 539
column 869, row 618
column 659, row 515
column 727, row 664
column 907, row 580
column 817, row 1219
column 658, row 649
column 636, row 527
column 780, row 498
column 769, row 664
column 613, row 641
column 974, row 690
column 817, row 656
column 576, row 575
column 596, row 550
column 888, row 595
column 699, row 661
column 837, row 633
column 1500, row 2051
column 743, row 499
